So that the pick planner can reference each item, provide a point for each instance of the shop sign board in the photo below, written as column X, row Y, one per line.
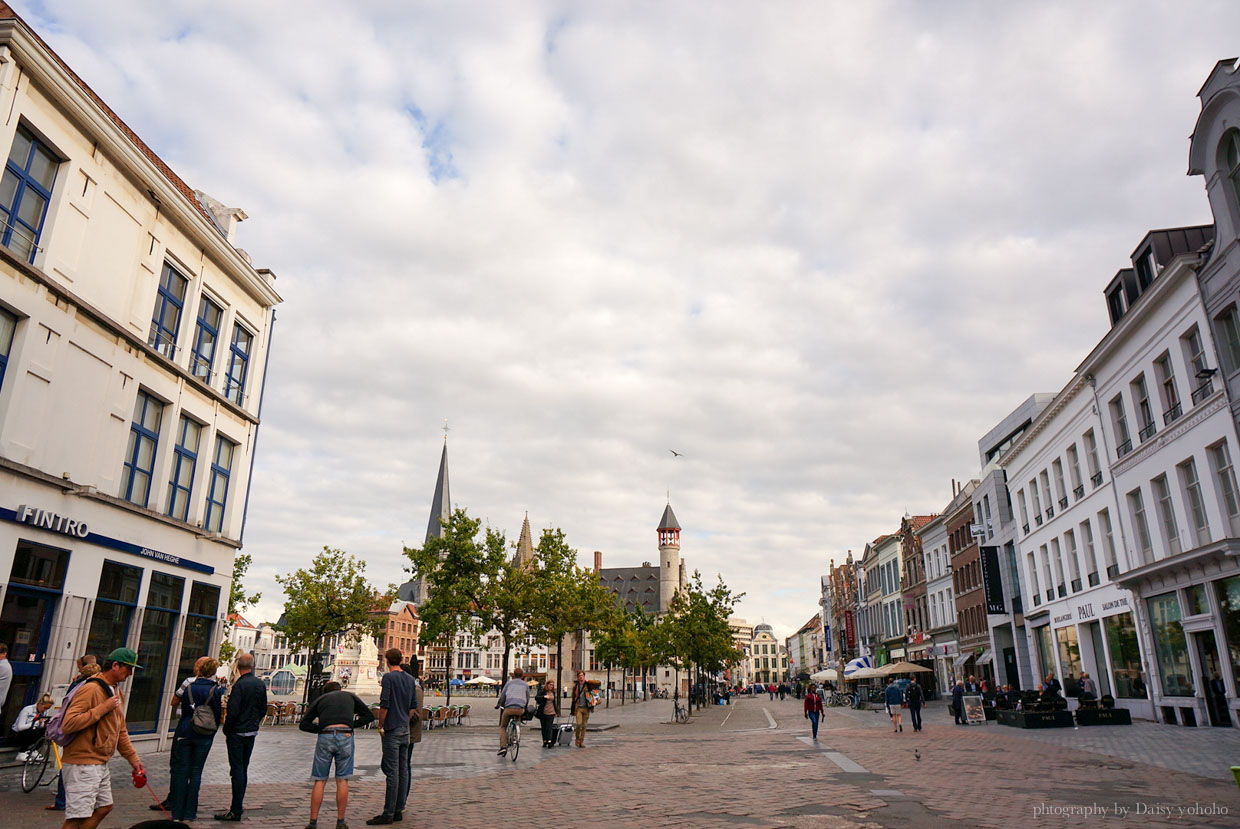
column 991, row 581
column 974, row 713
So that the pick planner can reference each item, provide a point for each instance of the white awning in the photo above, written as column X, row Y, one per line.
column 960, row 660
column 986, row 657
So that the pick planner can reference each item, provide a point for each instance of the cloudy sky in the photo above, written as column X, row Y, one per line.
column 818, row 248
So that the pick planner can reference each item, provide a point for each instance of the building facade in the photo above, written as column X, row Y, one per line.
column 913, row 585
column 972, row 632
column 937, row 649
column 133, row 343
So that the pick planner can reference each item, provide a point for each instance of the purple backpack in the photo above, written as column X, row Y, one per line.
column 55, row 726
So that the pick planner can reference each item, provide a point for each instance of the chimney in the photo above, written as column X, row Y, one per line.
column 598, row 561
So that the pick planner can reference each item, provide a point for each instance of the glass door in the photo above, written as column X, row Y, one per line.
column 1212, row 678
column 30, row 603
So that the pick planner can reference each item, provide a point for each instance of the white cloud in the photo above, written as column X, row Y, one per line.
column 818, row 248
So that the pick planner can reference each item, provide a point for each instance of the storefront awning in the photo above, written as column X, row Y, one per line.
column 960, row 660
column 986, row 658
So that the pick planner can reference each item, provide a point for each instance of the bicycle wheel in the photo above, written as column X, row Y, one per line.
column 35, row 766
column 514, row 739
column 682, row 714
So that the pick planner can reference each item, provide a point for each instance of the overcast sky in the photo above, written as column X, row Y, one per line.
column 818, row 248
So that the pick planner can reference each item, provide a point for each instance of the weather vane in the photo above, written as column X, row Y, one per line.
column 445, row 430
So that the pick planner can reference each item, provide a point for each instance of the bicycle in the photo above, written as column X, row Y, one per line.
column 679, row 711
column 514, row 738
column 35, row 765
column 839, row 699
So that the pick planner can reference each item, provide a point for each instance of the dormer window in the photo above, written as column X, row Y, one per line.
column 1231, row 164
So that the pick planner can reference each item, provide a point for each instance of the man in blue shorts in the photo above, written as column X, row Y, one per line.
column 333, row 715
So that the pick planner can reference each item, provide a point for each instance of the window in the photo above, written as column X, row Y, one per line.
column 25, row 192
column 166, row 321
column 1037, row 503
column 1091, row 560
column 1060, row 491
column 1091, row 458
column 1191, row 486
column 1166, row 515
column 217, row 491
column 1074, row 472
column 1046, row 493
column 1220, row 461
column 1024, row 512
column 185, row 461
column 8, row 325
column 1119, row 420
column 239, row 365
column 1227, row 591
column 1057, row 558
column 1170, row 647
column 1125, row 655
column 1145, row 412
column 1074, row 567
column 1227, row 328
column 1046, row 568
column 140, row 456
column 1231, row 164
column 203, row 362
column 204, row 600
column 1166, row 389
column 1108, row 544
column 159, row 622
column 114, row 607
column 1136, row 507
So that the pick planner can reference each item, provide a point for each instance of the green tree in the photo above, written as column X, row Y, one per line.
column 458, row 568
column 698, row 636
column 238, row 600
column 505, row 600
column 331, row 597
column 613, row 641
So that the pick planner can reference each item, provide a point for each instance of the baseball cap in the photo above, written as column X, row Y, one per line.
column 124, row 656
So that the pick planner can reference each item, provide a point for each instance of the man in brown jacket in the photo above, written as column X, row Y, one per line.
column 97, row 721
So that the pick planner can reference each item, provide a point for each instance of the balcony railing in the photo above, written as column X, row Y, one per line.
column 1050, row 595
column 1038, row 520
column 1026, row 528
column 1079, row 492
column 1203, row 391
column 1062, row 590
column 1037, row 600
column 1063, row 502
column 1050, row 512
column 1112, row 571
column 1093, row 579
column 1172, row 415
column 1124, row 448
column 1076, row 585
column 1096, row 478
column 1147, row 431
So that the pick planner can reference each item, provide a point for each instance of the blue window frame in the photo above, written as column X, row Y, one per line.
column 8, row 325
column 184, row 463
column 209, row 316
column 239, row 364
column 25, row 191
column 166, row 321
column 217, row 490
column 140, row 456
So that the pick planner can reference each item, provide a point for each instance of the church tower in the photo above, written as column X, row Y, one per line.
column 416, row 589
column 669, row 558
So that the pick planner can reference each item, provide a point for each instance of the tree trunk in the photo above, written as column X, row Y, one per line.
column 559, row 665
column 503, row 671
column 447, row 674
column 607, row 704
column 624, row 687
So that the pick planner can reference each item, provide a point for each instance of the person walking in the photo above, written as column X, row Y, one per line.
column 813, row 708
column 513, row 699
column 894, row 697
column 770, row 689
column 916, row 697
column 333, row 715
column 958, row 703
column 88, row 666
column 548, row 710
column 190, row 745
column 245, row 705
column 396, row 701
column 583, row 704
column 96, row 719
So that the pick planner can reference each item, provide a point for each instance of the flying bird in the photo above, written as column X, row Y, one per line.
column 677, row 454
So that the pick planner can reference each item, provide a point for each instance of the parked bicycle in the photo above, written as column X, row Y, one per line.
column 838, row 698
column 678, row 709
column 38, row 756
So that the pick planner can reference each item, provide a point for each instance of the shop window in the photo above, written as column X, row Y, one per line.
column 1227, row 591
column 1170, row 645
column 1125, row 656
column 39, row 566
column 1069, row 659
column 163, row 607
column 1046, row 657
column 114, row 607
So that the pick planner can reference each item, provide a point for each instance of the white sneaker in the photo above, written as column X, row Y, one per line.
column 22, row 755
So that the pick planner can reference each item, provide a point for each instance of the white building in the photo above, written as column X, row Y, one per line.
column 133, row 342
column 768, row 661
column 939, row 643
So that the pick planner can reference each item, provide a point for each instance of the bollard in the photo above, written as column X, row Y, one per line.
column 1235, row 772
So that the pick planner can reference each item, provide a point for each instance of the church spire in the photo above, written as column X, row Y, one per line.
column 525, row 545
column 441, row 502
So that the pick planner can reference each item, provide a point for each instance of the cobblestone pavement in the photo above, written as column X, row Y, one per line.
column 748, row 764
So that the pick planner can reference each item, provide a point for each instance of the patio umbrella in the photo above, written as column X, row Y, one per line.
column 482, row 680
column 904, row 668
column 829, row 675
column 865, row 673
column 456, row 682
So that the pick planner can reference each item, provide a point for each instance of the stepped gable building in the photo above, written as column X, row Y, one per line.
column 133, row 358
column 913, row 583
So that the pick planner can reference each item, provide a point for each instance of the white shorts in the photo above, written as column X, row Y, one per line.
column 86, row 789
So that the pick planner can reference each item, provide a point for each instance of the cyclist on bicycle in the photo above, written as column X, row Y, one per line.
column 30, row 725
column 513, row 699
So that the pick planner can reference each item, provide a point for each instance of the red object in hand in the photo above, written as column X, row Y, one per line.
column 139, row 778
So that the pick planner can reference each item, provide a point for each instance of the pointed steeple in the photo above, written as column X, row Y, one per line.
column 441, row 503
column 525, row 545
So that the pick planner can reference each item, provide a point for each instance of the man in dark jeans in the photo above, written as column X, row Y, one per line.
column 395, row 700
column 247, row 705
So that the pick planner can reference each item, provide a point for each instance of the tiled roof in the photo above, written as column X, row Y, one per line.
column 635, row 586
column 919, row 521
column 7, row 13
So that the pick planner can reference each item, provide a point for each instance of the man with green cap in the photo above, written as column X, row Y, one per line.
column 96, row 719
